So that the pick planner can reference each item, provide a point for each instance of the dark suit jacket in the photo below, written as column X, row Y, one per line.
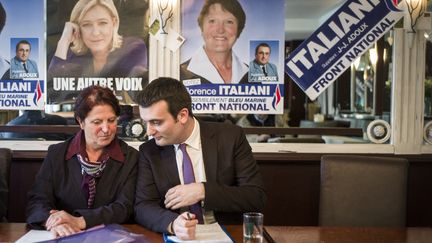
column 58, row 186
column 234, row 184
column 256, row 71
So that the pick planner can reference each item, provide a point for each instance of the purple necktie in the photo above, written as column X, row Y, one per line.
column 189, row 177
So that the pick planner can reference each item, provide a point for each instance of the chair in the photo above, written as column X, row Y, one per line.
column 5, row 160
column 363, row 191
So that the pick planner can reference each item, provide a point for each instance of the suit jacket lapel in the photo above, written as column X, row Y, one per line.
column 75, row 173
column 109, row 173
column 209, row 151
column 168, row 163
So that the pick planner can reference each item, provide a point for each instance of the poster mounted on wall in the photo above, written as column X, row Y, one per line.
column 338, row 42
column 86, row 46
column 233, row 55
column 22, row 55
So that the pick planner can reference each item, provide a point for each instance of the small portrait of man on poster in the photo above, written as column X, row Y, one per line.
column 21, row 64
column 261, row 69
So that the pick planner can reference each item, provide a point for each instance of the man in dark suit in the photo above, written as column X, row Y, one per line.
column 227, row 180
column 21, row 64
column 261, row 69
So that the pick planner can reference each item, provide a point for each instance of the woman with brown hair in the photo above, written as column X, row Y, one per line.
column 90, row 178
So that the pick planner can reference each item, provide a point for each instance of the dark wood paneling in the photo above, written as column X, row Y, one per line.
column 292, row 191
column 419, row 200
column 21, row 179
column 291, row 179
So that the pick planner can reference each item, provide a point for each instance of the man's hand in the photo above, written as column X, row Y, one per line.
column 184, row 195
column 57, row 218
column 185, row 228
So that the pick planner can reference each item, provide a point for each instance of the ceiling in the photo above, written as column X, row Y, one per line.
column 303, row 17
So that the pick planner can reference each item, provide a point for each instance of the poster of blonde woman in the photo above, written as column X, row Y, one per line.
column 99, row 42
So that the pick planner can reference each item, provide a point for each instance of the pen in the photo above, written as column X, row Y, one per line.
column 267, row 236
column 188, row 216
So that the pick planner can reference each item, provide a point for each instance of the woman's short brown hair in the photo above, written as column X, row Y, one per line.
column 232, row 6
column 93, row 96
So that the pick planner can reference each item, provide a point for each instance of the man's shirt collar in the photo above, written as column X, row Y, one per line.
column 194, row 139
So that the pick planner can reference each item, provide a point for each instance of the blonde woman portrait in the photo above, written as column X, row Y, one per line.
column 90, row 46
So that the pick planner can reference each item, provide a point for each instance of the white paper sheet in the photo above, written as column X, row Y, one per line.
column 206, row 233
column 35, row 236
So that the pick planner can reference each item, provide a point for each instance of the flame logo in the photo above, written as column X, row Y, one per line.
column 37, row 93
column 393, row 5
column 276, row 97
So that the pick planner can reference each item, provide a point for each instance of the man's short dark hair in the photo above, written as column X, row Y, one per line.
column 168, row 89
column 263, row 44
column 2, row 17
column 22, row 42
column 232, row 6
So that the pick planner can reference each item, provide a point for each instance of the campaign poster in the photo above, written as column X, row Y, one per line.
column 22, row 55
column 232, row 60
column 86, row 46
column 338, row 42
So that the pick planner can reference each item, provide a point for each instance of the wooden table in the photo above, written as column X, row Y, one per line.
column 349, row 235
column 10, row 232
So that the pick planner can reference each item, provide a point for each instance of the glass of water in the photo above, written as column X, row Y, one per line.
column 253, row 227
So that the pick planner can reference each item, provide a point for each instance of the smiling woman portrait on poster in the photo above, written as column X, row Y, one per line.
column 90, row 46
column 221, row 23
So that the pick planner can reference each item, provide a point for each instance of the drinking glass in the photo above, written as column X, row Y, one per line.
column 253, row 227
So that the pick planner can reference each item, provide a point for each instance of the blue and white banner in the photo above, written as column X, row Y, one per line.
column 344, row 37
column 22, row 55
column 242, row 98
column 22, row 94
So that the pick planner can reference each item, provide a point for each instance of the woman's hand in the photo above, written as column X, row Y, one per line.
column 57, row 218
column 70, row 33
column 62, row 230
